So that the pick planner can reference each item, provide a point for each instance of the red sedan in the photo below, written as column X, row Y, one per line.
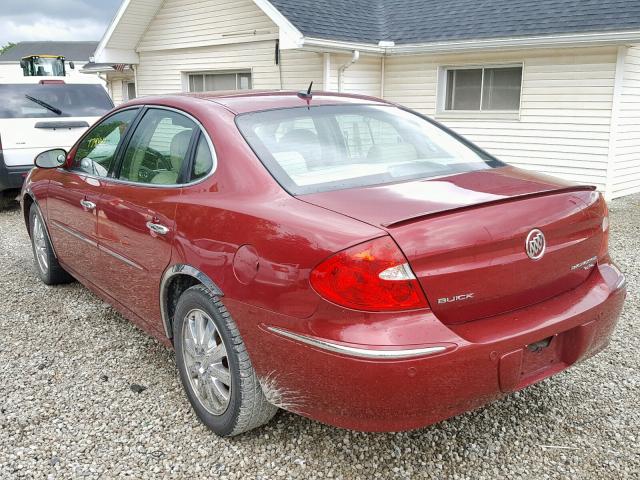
column 336, row 256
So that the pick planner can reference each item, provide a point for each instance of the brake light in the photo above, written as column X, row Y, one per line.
column 51, row 82
column 372, row 276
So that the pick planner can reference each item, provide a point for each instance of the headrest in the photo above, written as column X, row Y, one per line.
column 178, row 148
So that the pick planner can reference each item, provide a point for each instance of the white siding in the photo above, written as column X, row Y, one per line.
column 116, row 85
column 626, row 171
column 189, row 23
column 128, row 30
column 218, row 35
column 162, row 72
column 564, row 123
column 115, row 90
column 363, row 77
column 299, row 68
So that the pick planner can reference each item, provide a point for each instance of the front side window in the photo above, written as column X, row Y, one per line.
column 483, row 89
column 334, row 147
column 158, row 148
column 96, row 153
column 214, row 81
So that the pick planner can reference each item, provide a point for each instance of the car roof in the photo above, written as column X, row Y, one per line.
column 240, row 102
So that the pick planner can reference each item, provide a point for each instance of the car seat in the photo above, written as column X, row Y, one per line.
column 177, row 153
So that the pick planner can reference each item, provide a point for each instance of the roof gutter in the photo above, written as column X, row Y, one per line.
column 337, row 46
column 579, row 39
column 461, row 46
column 105, row 69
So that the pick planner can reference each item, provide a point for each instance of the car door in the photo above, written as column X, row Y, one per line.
column 74, row 193
column 137, row 210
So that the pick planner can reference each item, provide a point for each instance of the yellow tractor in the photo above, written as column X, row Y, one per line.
column 44, row 66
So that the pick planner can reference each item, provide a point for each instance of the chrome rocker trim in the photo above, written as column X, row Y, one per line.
column 366, row 353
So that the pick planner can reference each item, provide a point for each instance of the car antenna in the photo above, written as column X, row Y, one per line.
column 306, row 94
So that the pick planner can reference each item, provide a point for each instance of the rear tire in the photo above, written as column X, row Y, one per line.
column 47, row 266
column 214, row 366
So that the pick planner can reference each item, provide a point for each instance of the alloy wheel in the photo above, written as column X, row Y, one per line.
column 40, row 244
column 205, row 358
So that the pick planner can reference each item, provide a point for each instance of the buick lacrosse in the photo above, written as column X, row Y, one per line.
column 335, row 256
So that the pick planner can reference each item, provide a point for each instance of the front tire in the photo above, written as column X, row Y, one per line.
column 47, row 266
column 214, row 366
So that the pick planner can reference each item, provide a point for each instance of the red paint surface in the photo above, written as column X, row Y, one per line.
column 464, row 233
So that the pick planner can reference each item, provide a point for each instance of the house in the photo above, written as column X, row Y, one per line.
column 119, row 79
column 76, row 52
column 550, row 85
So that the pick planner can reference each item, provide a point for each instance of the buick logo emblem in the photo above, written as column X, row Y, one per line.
column 535, row 245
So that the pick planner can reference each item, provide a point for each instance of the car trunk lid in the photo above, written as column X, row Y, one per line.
column 466, row 245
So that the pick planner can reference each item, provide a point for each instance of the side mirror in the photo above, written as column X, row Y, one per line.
column 72, row 65
column 23, row 64
column 51, row 158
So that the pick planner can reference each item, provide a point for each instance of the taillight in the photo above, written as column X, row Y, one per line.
column 372, row 276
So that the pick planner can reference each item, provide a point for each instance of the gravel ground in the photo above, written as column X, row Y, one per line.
column 67, row 409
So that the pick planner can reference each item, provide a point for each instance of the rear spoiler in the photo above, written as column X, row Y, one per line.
column 421, row 216
column 70, row 124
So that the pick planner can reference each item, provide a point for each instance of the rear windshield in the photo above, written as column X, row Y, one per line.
column 53, row 100
column 325, row 148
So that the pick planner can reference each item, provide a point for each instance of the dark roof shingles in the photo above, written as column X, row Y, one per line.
column 69, row 50
column 424, row 21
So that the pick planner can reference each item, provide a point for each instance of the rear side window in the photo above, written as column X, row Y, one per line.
column 203, row 160
column 158, row 148
column 96, row 152
column 53, row 100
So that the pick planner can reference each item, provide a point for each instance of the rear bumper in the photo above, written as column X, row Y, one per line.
column 12, row 177
column 482, row 361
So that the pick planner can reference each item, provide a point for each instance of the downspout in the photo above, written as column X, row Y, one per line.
column 613, row 126
column 135, row 79
column 104, row 79
column 382, row 77
column 107, row 83
column 354, row 58
column 326, row 74
column 279, row 62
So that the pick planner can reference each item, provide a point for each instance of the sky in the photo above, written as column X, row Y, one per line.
column 22, row 20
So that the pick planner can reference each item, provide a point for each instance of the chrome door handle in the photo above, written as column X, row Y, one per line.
column 157, row 228
column 87, row 204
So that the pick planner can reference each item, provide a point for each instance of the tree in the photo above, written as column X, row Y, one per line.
column 6, row 47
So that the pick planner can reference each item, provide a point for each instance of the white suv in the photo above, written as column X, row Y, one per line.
column 40, row 116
